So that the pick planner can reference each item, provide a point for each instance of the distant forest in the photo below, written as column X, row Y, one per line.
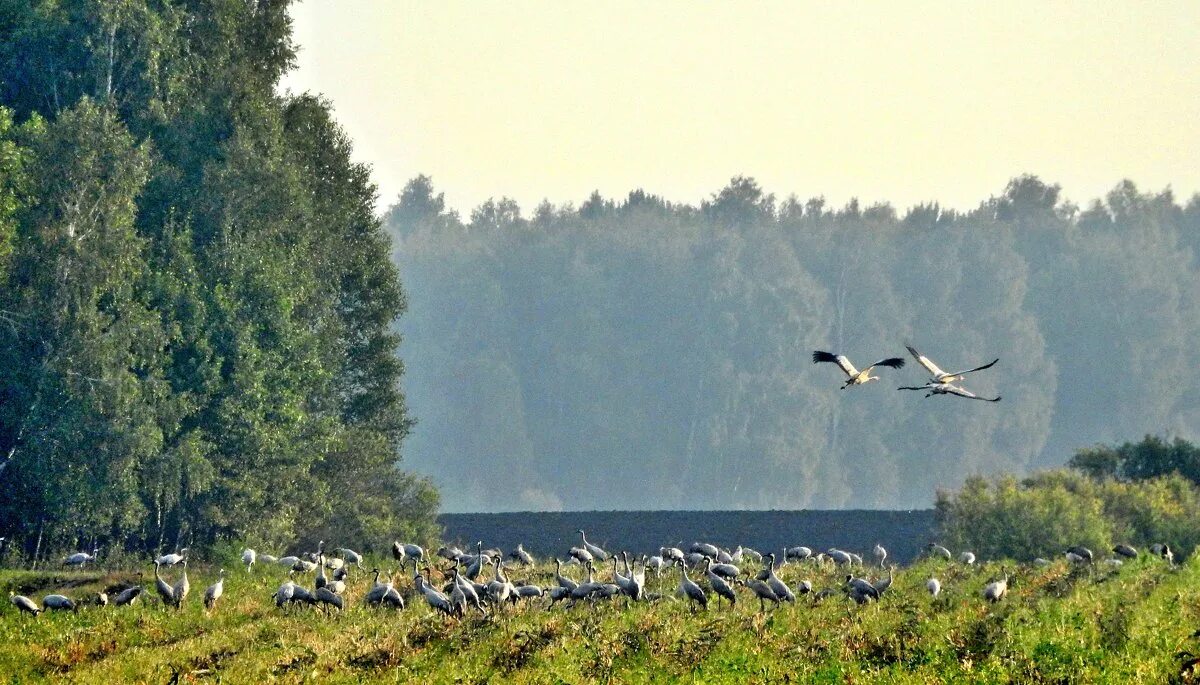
column 634, row 353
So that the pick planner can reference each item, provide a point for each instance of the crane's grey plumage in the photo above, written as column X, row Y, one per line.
column 884, row 584
column 80, row 558
column 880, row 554
column 165, row 592
column 853, row 375
column 172, row 558
column 719, row 585
column 936, row 375
column 936, row 550
column 350, row 556
column 521, row 556
column 214, row 591
column 24, row 604
column 934, row 586
column 996, row 590
column 780, row 588
column 58, row 603
column 932, row 389
column 181, row 588
column 799, row 553
column 248, row 558
column 595, row 552
column 1126, row 551
column 689, row 589
column 127, row 596
column 967, row 558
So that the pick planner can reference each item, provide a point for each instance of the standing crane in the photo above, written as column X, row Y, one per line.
column 24, row 604
column 689, row 589
column 214, row 591
column 180, row 591
column 248, row 558
column 165, row 593
column 80, row 558
column 719, row 585
column 597, row 553
column 853, row 375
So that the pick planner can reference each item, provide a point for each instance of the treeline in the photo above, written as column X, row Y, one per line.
column 196, row 300
column 634, row 353
column 1150, row 495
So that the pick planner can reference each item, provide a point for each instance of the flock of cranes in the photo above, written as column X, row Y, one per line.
column 940, row 382
column 455, row 583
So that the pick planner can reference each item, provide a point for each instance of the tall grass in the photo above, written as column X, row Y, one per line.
column 1058, row 624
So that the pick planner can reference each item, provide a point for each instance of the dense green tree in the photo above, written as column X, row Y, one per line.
column 201, row 297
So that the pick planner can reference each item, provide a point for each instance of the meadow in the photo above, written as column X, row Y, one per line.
column 1059, row 624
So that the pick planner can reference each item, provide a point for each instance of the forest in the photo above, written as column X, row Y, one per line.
column 197, row 304
column 633, row 353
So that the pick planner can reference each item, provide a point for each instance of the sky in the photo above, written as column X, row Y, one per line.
column 898, row 102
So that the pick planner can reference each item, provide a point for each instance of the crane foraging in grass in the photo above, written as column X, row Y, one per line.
column 853, row 375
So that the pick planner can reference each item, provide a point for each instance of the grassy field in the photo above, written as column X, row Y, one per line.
column 1058, row 625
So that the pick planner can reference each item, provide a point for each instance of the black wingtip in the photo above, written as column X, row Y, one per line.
column 894, row 362
column 818, row 356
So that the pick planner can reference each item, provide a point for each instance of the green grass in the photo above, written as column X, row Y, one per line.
column 1058, row 625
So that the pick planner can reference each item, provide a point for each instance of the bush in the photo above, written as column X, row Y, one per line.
column 1048, row 512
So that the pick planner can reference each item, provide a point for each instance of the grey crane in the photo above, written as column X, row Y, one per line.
column 321, row 580
column 58, row 603
column 173, row 558
column 214, row 591
column 932, row 389
column 165, row 593
column 657, row 563
column 581, row 555
column 563, row 581
column 967, row 558
column 181, row 588
column 350, row 556
column 689, row 589
column 597, row 553
column 625, row 582
column 780, row 588
column 449, row 553
column 853, row 375
column 798, row 553
column 763, row 592
column 726, row 570
column 861, row 586
column 884, row 584
column 436, row 600
column 1126, row 551
column 936, row 375
column 327, row 598
column 1080, row 554
column 704, row 548
column 500, row 590
column 995, row 590
column 840, row 557
column 24, row 604
column 671, row 554
column 934, row 586
column 751, row 553
column 476, row 566
column 127, row 596
column 719, row 585
column 529, row 591
column 586, row 588
column 1163, row 550
column 285, row 592
column 375, row 595
column 80, row 558
column 936, row 550
column 804, row 587
column 289, row 561
column 880, row 554
column 521, row 556
column 268, row 559
column 249, row 556
column 471, row 592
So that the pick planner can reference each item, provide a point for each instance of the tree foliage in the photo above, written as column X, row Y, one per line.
column 634, row 353
column 1043, row 515
column 197, row 300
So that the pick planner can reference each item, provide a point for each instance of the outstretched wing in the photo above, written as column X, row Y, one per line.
column 977, row 368
column 840, row 359
column 894, row 362
column 926, row 362
column 961, row 392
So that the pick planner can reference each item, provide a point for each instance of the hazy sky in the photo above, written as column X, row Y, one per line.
column 904, row 102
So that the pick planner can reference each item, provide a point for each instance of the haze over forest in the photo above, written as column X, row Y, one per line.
column 634, row 353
